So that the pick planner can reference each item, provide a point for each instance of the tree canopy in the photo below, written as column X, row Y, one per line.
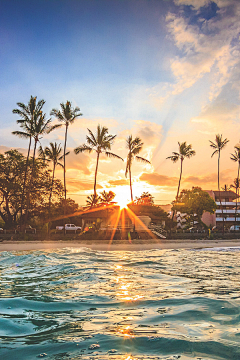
column 194, row 203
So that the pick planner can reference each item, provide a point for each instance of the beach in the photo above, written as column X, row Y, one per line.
column 119, row 245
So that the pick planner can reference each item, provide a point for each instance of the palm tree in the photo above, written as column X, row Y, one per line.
column 27, row 113
column 107, row 197
column 218, row 145
column 236, row 157
column 92, row 201
column 38, row 127
column 66, row 116
column 185, row 151
column 52, row 153
column 134, row 147
column 226, row 187
column 100, row 143
column 236, row 186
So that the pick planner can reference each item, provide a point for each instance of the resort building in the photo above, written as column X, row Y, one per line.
column 228, row 211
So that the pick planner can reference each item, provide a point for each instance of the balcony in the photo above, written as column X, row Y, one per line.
column 227, row 203
column 228, row 219
column 226, row 211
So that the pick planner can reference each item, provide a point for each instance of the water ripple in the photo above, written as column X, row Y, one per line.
column 155, row 304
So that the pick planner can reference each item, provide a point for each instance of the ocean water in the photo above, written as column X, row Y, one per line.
column 155, row 304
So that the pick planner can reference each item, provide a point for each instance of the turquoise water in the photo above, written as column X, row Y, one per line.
column 155, row 304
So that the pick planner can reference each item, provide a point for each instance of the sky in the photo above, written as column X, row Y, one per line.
column 166, row 71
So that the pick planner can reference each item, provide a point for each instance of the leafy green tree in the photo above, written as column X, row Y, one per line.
column 12, row 166
column 185, row 151
column 194, row 203
column 144, row 199
column 67, row 115
column 100, row 143
column 27, row 114
column 134, row 147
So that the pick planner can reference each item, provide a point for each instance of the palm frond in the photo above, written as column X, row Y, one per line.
column 83, row 148
column 141, row 159
column 111, row 155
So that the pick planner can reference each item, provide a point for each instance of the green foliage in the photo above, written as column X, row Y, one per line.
column 194, row 203
column 12, row 169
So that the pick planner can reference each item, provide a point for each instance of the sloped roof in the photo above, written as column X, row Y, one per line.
column 225, row 194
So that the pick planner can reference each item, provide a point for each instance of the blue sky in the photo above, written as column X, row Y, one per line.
column 166, row 71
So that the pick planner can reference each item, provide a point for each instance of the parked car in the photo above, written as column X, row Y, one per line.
column 234, row 228
column 69, row 227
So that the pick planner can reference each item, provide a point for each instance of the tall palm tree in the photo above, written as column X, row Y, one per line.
column 218, row 145
column 66, row 116
column 100, row 143
column 36, row 129
column 52, row 153
column 134, row 147
column 26, row 114
column 185, row 151
column 236, row 157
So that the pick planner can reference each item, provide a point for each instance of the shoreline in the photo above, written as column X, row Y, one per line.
column 120, row 245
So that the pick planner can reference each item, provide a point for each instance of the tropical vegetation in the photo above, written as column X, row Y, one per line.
column 101, row 143
column 134, row 146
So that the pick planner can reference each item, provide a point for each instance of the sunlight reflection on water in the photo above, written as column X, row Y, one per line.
column 155, row 304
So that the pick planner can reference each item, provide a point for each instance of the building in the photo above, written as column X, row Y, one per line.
column 228, row 211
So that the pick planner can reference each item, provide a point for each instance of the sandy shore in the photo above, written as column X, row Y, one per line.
column 117, row 245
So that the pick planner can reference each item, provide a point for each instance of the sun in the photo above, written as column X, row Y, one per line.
column 122, row 197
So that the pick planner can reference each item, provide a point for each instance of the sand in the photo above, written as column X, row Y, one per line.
column 136, row 245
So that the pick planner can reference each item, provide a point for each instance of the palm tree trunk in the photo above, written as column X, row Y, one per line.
column 219, row 190
column 237, row 191
column 64, row 170
column 179, row 183
column 50, row 196
column 24, row 181
column 130, row 180
column 95, row 180
column 180, row 178
column 31, row 180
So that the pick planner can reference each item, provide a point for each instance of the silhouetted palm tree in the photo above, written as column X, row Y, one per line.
column 107, row 197
column 52, row 153
column 218, row 145
column 92, row 201
column 26, row 114
column 226, row 187
column 100, row 143
column 134, row 147
column 38, row 127
column 185, row 151
column 66, row 116
column 236, row 157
